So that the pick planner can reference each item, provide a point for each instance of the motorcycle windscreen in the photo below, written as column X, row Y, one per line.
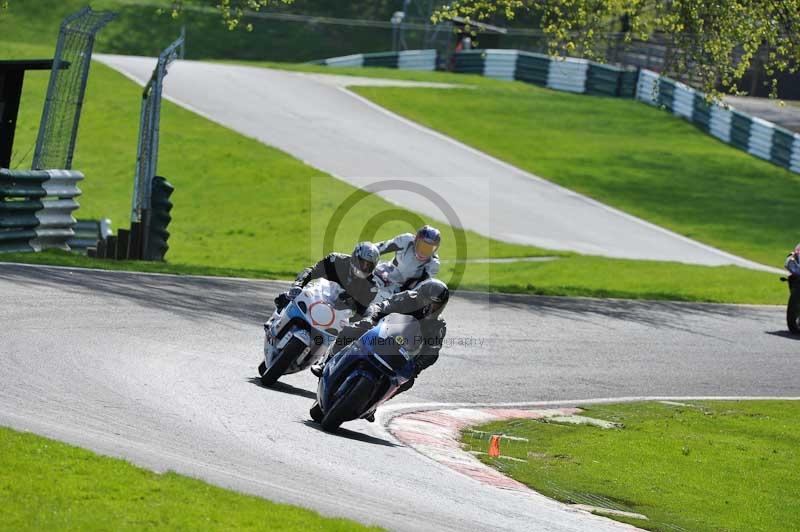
column 395, row 340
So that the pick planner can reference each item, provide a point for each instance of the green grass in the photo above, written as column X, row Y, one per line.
column 578, row 275
column 244, row 209
column 709, row 466
column 47, row 485
column 623, row 153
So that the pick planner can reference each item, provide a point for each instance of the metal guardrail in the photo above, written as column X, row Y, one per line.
column 405, row 60
column 36, row 209
column 758, row 137
column 88, row 233
column 564, row 74
column 568, row 74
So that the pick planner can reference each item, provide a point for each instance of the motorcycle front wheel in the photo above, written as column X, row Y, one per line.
column 793, row 312
column 289, row 354
column 348, row 406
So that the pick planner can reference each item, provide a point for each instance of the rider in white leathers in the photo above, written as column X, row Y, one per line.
column 415, row 260
column 792, row 261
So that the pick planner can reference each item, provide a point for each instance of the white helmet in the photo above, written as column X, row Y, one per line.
column 363, row 260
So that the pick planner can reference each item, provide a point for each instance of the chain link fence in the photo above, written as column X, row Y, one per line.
column 58, row 129
column 149, row 119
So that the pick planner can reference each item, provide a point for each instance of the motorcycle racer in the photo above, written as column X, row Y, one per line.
column 425, row 303
column 414, row 261
column 352, row 272
column 793, row 261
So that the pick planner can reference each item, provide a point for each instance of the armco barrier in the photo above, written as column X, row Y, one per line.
column 500, row 64
column 36, row 208
column 740, row 130
column 603, row 80
column 356, row 60
column 384, row 60
column 781, row 152
column 417, row 60
column 683, row 101
column 405, row 60
column 721, row 121
column 470, row 63
column 568, row 74
column 647, row 87
column 794, row 162
column 88, row 233
column 751, row 134
column 565, row 74
column 760, row 142
column 701, row 114
column 532, row 68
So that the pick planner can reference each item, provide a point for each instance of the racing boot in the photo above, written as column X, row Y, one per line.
column 317, row 367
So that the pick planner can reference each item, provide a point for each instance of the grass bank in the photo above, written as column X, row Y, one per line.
column 703, row 466
column 47, row 485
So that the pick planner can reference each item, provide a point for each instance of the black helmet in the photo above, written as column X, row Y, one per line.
column 433, row 295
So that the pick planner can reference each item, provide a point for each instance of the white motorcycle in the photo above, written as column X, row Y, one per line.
column 300, row 334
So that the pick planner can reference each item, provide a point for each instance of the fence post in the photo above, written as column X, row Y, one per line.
column 147, row 149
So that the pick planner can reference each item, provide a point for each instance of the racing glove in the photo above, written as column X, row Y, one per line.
column 364, row 323
column 285, row 298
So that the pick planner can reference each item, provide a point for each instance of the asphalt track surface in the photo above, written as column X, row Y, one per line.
column 316, row 119
column 161, row 370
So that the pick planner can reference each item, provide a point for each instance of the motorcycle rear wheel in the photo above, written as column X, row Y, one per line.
column 289, row 354
column 348, row 406
column 793, row 312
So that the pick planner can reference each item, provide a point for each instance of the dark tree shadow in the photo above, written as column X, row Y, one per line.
column 250, row 301
column 351, row 435
column 284, row 387
column 658, row 314
column 207, row 298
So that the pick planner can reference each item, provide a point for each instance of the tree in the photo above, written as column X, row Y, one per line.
column 713, row 42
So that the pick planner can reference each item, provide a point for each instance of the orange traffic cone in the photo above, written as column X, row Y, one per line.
column 494, row 446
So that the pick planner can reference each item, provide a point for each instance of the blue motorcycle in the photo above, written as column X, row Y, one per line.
column 368, row 372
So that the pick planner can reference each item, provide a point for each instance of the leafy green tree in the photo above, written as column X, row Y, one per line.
column 713, row 42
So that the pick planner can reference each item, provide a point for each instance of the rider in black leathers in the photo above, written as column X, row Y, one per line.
column 425, row 303
column 352, row 272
